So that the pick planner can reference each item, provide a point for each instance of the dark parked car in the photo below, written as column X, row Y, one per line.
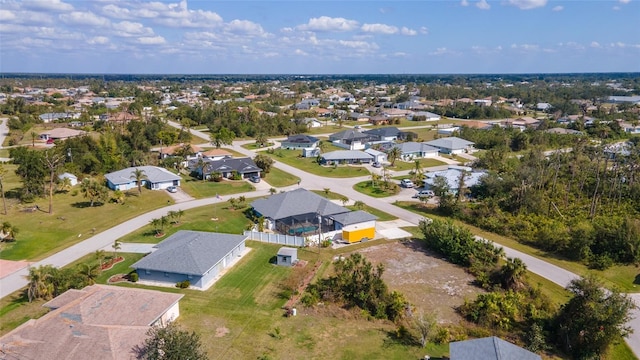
column 376, row 164
column 254, row 178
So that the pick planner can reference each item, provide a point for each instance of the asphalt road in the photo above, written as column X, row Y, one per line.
column 551, row 272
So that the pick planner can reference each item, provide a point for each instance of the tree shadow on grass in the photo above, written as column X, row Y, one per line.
column 637, row 279
column 86, row 204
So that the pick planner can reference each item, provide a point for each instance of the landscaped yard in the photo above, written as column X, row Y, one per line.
column 254, row 146
column 203, row 189
column 410, row 165
column 377, row 191
column 279, row 178
column 291, row 157
column 73, row 220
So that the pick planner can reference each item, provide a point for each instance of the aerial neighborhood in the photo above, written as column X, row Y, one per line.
column 280, row 216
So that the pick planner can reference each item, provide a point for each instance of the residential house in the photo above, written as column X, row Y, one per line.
column 358, row 117
column 390, row 133
column 199, row 257
column 216, row 154
column 543, row 106
column 227, row 167
column 307, row 104
column 563, row 131
column 630, row 128
column 299, row 141
column 452, row 176
column 168, row 151
column 415, row 150
column 97, row 322
column 395, row 113
column 312, row 123
column 287, row 256
column 51, row 117
column 60, row 134
column 378, row 156
column 489, row 348
column 451, row 145
column 423, row 116
column 157, row 178
column 346, row 157
column 301, row 212
column 349, row 139
column 380, row 120
column 624, row 99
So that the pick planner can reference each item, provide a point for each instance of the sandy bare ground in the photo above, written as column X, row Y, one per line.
column 429, row 283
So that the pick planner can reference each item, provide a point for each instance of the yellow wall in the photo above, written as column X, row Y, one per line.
column 357, row 235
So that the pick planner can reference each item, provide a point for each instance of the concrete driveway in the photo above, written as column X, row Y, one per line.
column 180, row 196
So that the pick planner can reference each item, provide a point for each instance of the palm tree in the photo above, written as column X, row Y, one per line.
column 139, row 176
column 374, row 179
column 116, row 246
column 327, row 191
column 90, row 271
column 344, row 200
column 164, row 221
column 359, row 204
column 393, row 155
column 512, row 273
column 8, row 231
column 100, row 255
column 155, row 224
column 3, row 173
column 202, row 165
column 39, row 284
column 179, row 214
column 418, row 173
column 34, row 135
column 272, row 191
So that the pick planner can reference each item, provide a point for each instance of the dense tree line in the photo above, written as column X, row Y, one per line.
column 582, row 204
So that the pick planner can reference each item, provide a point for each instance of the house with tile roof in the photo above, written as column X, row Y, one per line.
column 197, row 256
column 97, row 322
column 157, row 178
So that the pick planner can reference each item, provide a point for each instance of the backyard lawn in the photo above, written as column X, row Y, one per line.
column 73, row 220
column 410, row 165
column 367, row 188
column 279, row 178
column 291, row 157
column 203, row 189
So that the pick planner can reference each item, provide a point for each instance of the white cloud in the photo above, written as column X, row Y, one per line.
column 98, row 40
column 594, row 44
column 527, row 4
column 84, row 18
column 48, row 5
column 300, row 52
column 440, row 51
column 358, row 45
column 151, row 40
column 616, row 8
column 483, row 5
column 379, row 29
column 558, row 8
column 326, row 23
column 245, row 27
column 424, row 30
column 464, row 3
column 408, row 32
column 129, row 29
column 624, row 1
column 6, row 15
column 525, row 47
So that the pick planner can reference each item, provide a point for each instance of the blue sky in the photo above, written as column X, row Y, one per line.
column 319, row 37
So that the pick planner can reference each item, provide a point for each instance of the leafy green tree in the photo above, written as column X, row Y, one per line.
column 593, row 319
column 224, row 136
column 94, row 191
column 139, row 175
column 8, row 232
column 171, row 343
column 512, row 273
column 359, row 204
column 40, row 286
column 30, row 171
column 264, row 162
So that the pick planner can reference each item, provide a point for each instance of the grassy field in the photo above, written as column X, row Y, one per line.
column 366, row 188
column 623, row 277
column 254, row 146
column 410, row 165
column 202, row 189
column 291, row 157
column 279, row 178
column 42, row 234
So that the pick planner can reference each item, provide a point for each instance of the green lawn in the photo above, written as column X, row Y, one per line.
column 410, row 165
column 42, row 234
column 203, row 189
column 382, row 216
column 622, row 277
column 254, row 146
column 279, row 178
column 366, row 188
column 292, row 157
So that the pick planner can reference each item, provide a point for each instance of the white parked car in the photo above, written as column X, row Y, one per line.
column 406, row 183
column 423, row 193
column 172, row 189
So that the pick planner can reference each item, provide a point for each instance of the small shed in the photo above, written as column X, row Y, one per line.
column 73, row 180
column 287, row 256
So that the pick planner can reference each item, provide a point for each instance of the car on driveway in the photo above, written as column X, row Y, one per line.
column 406, row 183
column 172, row 189
column 423, row 193
column 376, row 164
column 254, row 179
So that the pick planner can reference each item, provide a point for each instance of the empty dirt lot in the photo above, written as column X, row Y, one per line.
column 428, row 282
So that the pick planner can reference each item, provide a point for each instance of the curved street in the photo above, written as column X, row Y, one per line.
column 17, row 280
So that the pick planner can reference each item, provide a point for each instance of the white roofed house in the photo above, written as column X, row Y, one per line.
column 346, row 157
column 414, row 150
column 452, row 145
column 157, row 178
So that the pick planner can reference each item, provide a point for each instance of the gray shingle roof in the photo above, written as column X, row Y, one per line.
column 241, row 165
column 190, row 252
column 489, row 348
column 301, row 139
column 348, row 134
column 453, row 143
column 415, row 147
column 353, row 217
column 295, row 202
column 287, row 251
column 154, row 174
column 383, row 132
column 347, row 155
